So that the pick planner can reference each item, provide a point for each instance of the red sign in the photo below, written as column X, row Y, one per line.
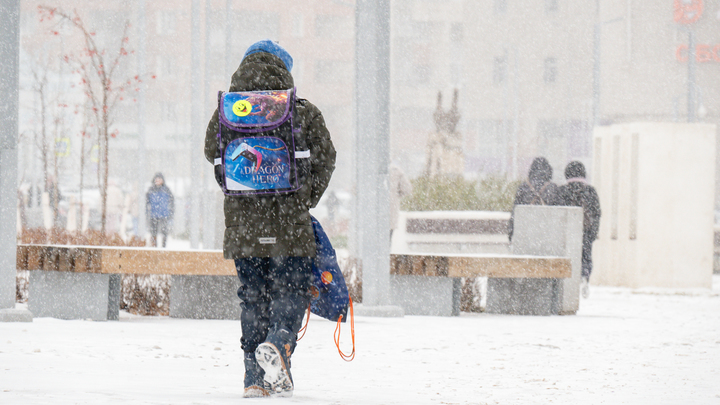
column 703, row 53
column 687, row 11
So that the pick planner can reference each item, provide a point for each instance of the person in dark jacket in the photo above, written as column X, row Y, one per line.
column 270, row 237
column 159, row 209
column 537, row 190
column 578, row 193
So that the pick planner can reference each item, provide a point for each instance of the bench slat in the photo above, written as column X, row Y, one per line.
column 494, row 266
column 113, row 260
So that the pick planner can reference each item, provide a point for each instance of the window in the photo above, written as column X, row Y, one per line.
column 166, row 22
column 500, row 70
column 456, row 32
column 333, row 71
column 500, row 6
column 455, row 73
column 422, row 73
column 334, row 27
column 551, row 6
column 168, row 112
column 427, row 32
column 550, row 73
column 298, row 26
column 164, row 67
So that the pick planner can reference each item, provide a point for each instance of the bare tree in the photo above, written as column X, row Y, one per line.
column 98, row 69
column 49, row 109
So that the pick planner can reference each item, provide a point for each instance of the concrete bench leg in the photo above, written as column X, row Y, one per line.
column 524, row 296
column 205, row 297
column 67, row 295
column 423, row 295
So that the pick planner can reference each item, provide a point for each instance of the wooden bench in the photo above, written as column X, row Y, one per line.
column 83, row 282
column 430, row 284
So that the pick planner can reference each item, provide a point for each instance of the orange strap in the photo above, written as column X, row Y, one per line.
column 344, row 356
column 304, row 328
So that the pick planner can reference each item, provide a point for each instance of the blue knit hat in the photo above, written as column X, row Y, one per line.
column 272, row 47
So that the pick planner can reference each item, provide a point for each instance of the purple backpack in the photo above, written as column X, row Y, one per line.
column 259, row 147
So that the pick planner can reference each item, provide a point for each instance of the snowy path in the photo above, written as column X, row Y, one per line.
column 624, row 347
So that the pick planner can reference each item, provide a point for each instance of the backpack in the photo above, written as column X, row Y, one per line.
column 537, row 194
column 330, row 298
column 258, row 151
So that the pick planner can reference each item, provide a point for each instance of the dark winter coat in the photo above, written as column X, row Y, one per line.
column 578, row 193
column 537, row 190
column 285, row 217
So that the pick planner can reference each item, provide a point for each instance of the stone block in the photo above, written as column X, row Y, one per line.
column 426, row 295
column 542, row 231
column 67, row 295
column 205, row 297
column 15, row 315
column 523, row 296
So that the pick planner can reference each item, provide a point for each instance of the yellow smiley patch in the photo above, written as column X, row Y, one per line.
column 242, row 108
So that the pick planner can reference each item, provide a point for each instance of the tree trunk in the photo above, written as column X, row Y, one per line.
column 105, row 159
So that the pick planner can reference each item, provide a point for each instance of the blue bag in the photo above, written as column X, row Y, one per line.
column 330, row 294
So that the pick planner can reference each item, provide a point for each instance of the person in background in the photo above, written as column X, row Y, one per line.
column 159, row 209
column 332, row 204
column 578, row 193
column 537, row 190
column 271, row 237
column 400, row 188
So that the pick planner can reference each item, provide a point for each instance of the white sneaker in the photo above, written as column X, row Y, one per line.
column 277, row 375
column 585, row 287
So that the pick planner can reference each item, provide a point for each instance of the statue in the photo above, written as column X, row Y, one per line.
column 445, row 154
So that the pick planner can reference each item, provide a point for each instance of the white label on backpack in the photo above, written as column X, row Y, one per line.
column 267, row 241
column 302, row 154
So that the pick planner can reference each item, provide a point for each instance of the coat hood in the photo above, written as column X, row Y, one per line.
column 261, row 71
column 575, row 169
column 540, row 172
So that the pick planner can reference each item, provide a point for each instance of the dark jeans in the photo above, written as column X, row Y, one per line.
column 158, row 225
column 587, row 258
column 274, row 294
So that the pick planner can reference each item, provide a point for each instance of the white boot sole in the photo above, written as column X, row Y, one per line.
column 276, row 375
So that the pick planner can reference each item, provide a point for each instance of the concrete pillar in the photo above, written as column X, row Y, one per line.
column 197, row 135
column 9, row 82
column 372, row 144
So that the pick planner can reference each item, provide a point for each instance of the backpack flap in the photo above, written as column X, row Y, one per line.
column 258, row 110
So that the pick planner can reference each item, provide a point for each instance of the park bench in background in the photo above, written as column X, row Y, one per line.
column 540, row 275
column 84, row 282
column 451, row 232
column 414, row 271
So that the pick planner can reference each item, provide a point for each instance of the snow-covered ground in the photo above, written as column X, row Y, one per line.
column 623, row 347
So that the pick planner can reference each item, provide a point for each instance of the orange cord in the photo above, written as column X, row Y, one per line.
column 304, row 328
column 344, row 356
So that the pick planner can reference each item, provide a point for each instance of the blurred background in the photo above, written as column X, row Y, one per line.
column 503, row 80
